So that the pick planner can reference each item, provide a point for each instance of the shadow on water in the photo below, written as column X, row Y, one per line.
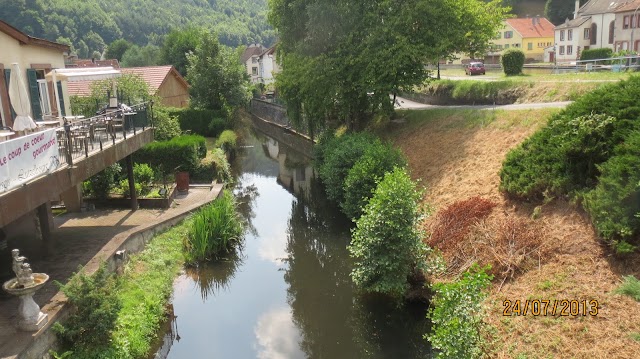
column 289, row 295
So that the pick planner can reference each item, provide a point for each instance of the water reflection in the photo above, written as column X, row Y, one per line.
column 291, row 295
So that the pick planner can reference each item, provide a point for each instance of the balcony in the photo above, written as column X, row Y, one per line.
column 85, row 147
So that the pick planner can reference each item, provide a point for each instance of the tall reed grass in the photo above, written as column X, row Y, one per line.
column 216, row 229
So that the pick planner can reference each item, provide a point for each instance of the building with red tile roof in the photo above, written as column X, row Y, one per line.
column 529, row 34
column 163, row 81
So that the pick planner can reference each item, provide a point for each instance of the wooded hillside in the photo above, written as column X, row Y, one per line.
column 90, row 24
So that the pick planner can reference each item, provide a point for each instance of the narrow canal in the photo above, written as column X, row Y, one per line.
column 289, row 294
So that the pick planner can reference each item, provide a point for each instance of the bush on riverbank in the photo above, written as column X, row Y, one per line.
column 350, row 166
column 120, row 317
column 576, row 152
column 512, row 61
column 387, row 244
column 457, row 315
column 181, row 152
column 208, row 123
column 216, row 231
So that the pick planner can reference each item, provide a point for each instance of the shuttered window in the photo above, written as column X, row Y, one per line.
column 34, row 93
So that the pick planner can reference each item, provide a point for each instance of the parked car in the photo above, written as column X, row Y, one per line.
column 474, row 68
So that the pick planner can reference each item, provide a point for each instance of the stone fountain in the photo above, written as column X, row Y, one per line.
column 24, row 286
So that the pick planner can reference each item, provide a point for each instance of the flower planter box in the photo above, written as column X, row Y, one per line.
column 121, row 202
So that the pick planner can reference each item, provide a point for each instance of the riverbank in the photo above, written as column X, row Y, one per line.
column 86, row 239
column 457, row 155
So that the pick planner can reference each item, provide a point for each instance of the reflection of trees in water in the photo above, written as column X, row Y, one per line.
column 213, row 277
column 334, row 321
column 246, row 198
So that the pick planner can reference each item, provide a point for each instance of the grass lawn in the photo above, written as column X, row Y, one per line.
column 545, row 76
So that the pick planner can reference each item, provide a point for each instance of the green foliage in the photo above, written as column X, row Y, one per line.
column 559, row 10
column 563, row 157
column 615, row 201
column 630, row 287
column 386, row 244
column 142, row 173
column 216, row 230
column 218, row 80
column 101, row 184
column 512, row 61
column 594, row 54
column 179, row 43
column 365, row 174
column 339, row 154
column 166, row 126
column 139, row 21
column 341, row 60
column 138, row 56
column 215, row 166
column 227, row 141
column 457, row 314
column 96, row 307
column 124, row 188
column 208, row 123
column 181, row 153
column 469, row 90
column 117, row 48
column 131, row 88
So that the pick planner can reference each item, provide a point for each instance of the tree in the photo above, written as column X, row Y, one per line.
column 177, row 45
column 512, row 61
column 341, row 60
column 218, row 80
column 137, row 56
column 557, row 11
column 387, row 245
column 116, row 49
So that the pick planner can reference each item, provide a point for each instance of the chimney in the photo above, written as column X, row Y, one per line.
column 575, row 13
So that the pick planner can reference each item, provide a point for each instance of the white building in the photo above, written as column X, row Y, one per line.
column 267, row 66
column 250, row 59
column 592, row 27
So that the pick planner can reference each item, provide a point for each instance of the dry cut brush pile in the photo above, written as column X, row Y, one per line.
column 465, row 234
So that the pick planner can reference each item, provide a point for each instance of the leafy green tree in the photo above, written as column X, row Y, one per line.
column 386, row 244
column 94, row 42
column 116, row 49
column 557, row 11
column 341, row 60
column 218, row 81
column 137, row 56
column 177, row 45
column 512, row 62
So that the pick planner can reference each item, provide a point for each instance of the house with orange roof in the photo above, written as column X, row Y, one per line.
column 164, row 82
column 530, row 34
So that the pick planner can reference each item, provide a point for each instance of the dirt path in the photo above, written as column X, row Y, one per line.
column 455, row 162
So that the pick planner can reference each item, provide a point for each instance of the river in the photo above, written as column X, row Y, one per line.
column 288, row 294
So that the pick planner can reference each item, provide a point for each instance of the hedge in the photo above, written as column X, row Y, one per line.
column 512, row 61
column 182, row 153
column 208, row 123
column 594, row 54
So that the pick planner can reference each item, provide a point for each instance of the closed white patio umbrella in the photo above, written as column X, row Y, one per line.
column 20, row 100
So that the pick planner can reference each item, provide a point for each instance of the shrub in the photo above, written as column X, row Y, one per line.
column 166, row 126
column 512, row 61
column 181, row 153
column 365, row 174
column 96, row 307
column 615, row 201
column 630, row 287
column 213, row 167
column 386, row 244
column 456, row 315
column 564, row 156
column 124, row 188
column 207, row 123
column 101, row 184
column 142, row 173
column 594, row 54
column 216, row 229
column 338, row 155
column 227, row 141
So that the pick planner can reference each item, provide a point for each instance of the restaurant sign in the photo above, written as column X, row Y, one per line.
column 28, row 157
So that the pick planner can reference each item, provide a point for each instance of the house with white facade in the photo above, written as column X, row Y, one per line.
column 268, row 66
column 628, row 27
column 251, row 60
column 593, row 27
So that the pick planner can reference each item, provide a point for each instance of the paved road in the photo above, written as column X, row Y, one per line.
column 405, row 104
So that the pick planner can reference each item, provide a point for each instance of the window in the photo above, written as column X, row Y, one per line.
column 634, row 21
column 586, row 33
column 594, row 33
column 516, row 45
column 254, row 71
column 530, row 46
column 508, row 34
column 506, row 46
column 44, row 97
column 570, row 35
column 625, row 22
column 254, row 60
column 570, row 50
column 561, row 35
column 612, row 28
column 561, row 50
